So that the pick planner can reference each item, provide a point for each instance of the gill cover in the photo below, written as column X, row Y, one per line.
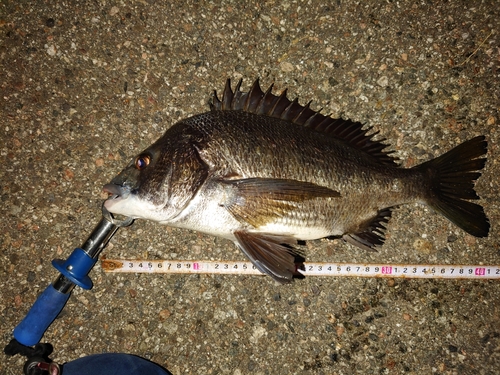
column 163, row 178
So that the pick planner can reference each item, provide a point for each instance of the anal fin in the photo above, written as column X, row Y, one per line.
column 272, row 254
column 371, row 234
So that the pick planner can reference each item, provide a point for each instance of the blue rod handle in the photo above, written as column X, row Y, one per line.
column 41, row 315
column 73, row 271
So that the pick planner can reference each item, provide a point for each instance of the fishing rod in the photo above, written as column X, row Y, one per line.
column 72, row 272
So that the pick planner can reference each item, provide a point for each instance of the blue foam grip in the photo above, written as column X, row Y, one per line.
column 43, row 312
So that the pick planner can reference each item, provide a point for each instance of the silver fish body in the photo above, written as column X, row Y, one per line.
column 265, row 172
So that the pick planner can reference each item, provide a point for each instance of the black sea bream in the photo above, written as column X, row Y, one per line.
column 266, row 173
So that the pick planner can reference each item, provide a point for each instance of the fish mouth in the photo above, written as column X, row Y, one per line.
column 116, row 192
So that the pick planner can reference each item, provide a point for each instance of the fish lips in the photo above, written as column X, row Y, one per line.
column 114, row 189
column 117, row 201
column 117, row 191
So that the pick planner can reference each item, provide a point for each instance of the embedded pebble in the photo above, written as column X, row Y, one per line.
column 286, row 66
column 383, row 81
column 423, row 246
column 51, row 50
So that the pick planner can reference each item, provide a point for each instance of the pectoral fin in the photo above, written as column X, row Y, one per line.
column 271, row 254
column 257, row 201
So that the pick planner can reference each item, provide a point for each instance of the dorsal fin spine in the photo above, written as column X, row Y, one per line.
column 311, row 119
column 304, row 112
column 261, row 107
column 279, row 106
column 248, row 96
column 281, row 102
column 288, row 112
column 215, row 103
column 235, row 103
column 227, row 96
column 255, row 96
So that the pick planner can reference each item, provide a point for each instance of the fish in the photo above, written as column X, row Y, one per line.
column 269, row 174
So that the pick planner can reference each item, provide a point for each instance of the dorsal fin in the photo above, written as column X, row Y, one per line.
column 279, row 106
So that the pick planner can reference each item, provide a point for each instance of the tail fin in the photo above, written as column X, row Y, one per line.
column 451, row 179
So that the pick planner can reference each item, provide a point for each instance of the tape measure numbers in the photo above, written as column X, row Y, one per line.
column 417, row 271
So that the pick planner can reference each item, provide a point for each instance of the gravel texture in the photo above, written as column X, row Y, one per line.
column 85, row 85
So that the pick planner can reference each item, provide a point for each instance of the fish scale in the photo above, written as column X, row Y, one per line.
column 359, row 184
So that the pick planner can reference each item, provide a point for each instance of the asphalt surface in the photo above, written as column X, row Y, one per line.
column 86, row 85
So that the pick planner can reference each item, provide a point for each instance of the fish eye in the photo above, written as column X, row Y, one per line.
column 142, row 161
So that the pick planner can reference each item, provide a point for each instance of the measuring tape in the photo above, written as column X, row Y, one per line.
column 417, row 271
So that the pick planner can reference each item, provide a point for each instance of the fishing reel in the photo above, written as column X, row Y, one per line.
column 39, row 366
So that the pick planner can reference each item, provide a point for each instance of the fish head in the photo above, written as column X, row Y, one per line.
column 159, row 182
column 140, row 190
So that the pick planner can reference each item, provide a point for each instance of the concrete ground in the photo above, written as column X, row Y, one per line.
column 86, row 85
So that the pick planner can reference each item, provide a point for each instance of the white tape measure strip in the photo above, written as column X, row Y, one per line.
column 419, row 271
